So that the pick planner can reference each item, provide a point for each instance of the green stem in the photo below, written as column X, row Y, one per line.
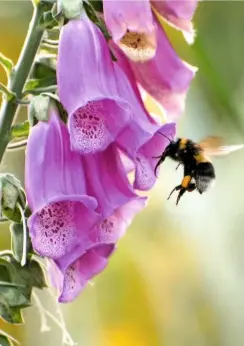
column 19, row 76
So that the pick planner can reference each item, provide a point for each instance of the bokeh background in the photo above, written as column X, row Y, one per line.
column 177, row 278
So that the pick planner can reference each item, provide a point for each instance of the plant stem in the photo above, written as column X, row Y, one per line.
column 19, row 75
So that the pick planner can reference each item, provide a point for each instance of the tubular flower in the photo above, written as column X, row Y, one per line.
column 87, row 87
column 165, row 77
column 131, row 25
column 63, row 213
column 140, row 140
column 117, row 204
column 179, row 14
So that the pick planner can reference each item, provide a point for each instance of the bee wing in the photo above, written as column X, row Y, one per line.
column 213, row 146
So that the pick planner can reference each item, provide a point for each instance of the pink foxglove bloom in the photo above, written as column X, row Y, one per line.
column 179, row 14
column 62, row 212
column 87, row 87
column 140, row 140
column 131, row 25
column 117, row 204
column 165, row 77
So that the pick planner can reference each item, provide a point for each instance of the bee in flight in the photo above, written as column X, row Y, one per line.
column 199, row 173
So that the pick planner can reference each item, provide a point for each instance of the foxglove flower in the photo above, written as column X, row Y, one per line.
column 165, row 77
column 142, row 139
column 70, row 278
column 117, row 204
column 131, row 25
column 62, row 212
column 179, row 14
column 87, row 87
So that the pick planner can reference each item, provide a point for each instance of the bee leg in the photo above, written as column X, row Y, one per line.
column 161, row 160
column 191, row 187
column 175, row 189
column 181, row 193
column 178, row 166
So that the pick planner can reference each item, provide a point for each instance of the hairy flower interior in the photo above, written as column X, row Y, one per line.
column 138, row 46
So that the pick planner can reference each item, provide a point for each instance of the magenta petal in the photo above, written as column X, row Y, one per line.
column 145, row 161
column 70, row 279
column 165, row 77
column 113, row 227
column 131, row 25
column 87, row 87
column 178, row 13
column 51, row 168
column 107, row 181
column 132, row 15
column 59, row 227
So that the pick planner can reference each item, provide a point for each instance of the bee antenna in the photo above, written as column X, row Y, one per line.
column 162, row 134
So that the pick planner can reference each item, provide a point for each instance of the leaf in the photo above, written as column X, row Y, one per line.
column 6, row 92
column 45, row 67
column 6, row 63
column 34, row 85
column 37, row 278
column 20, row 130
column 4, row 341
column 48, row 21
column 14, row 296
column 11, row 315
column 17, row 239
column 71, row 8
column 12, row 195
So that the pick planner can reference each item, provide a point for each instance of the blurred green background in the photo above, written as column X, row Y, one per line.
column 177, row 278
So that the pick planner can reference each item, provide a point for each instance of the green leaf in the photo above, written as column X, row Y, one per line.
column 12, row 196
column 71, row 8
column 6, row 63
column 17, row 238
column 6, row 92
column 37, row 278
column 4, row 341
column 45, row 67
column 48, row 21
column 38, row 110
column 14, row 296
column 20, row 130
column 10, row 315
column 33, row 86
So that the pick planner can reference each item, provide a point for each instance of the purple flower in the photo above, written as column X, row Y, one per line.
column 131, row 25
column 62, row 212
column 71, row 279
column 87, row 87
column 165, row 77
column 117, row 204
column 179, row 14
column 140, row 140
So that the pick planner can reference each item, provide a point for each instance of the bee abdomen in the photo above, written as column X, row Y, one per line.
column 204, row 176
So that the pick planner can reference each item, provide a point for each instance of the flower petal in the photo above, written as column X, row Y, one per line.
column 165, row 77
column 179, row 14
column 87, row 87
column 145, row 159
column 59, row 227
column 107, row 181
column 51, row 168
column 71, row 279
column 131, row 25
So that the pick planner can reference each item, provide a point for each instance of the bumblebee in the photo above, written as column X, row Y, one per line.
column 199, row 173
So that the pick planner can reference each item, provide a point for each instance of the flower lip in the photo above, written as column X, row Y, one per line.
column 60, row 225
column 71, row 278
column 97, row 123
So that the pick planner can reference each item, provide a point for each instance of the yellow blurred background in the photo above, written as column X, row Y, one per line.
column 177, row 278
